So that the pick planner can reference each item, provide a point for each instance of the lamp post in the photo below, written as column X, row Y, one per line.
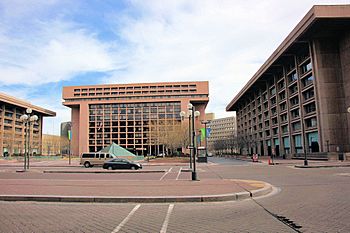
column 192, row 113
column 183, row 114
column 27, row 119
column 205, row 137
column 70, row 141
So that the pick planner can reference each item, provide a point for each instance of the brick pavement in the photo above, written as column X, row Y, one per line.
column 242, row 216
column 316, row 199
column 174, row 184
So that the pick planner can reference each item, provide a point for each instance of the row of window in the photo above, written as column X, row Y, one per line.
column 134, row 87
column 137, row 97
column 133, row 92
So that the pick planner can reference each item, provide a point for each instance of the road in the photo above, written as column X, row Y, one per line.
column 305, row 200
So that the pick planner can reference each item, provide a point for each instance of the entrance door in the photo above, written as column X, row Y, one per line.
column 277, row 150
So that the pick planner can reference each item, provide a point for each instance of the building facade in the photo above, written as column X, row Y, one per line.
column 12, row 129
column 297, row 101
column 222, row 134
column 126, row 114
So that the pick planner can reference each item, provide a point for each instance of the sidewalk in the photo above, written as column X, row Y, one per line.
column 299, row 163
column 134, row 191
column 124, row 186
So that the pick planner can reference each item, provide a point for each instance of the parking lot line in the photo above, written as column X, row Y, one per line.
column 178, row 174
column 166, row 173
column 166, row 220
column 126, row 219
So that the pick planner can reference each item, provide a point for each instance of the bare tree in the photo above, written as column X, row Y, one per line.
column 52, row 144
column 168, row 133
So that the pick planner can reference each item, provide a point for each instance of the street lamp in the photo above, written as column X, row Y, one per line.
column 70, row 140
column 192, row 114
column 183, row 114
column 206, row 137
column 27, row 119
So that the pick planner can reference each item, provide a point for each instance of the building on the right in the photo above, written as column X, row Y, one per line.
column 301, row 94
column 222, row 137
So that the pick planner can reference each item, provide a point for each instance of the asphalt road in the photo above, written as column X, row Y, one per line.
column 306, row 200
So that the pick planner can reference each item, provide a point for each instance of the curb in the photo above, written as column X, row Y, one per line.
column 135, row 171
column 139, row 199
column 321, row 166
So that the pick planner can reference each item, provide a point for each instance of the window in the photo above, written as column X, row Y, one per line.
column 282, row 95
column 295, row 113
column 266, row 106
column 284, row 117
column 275, row 131
column 311, row 122
column 294, row 101
column 273, row 111
column 293, row 89
column 281, row 85
column 273, row 91
column 285, row 129
column 265, row 97
column 292, row 77
column 274, row 121
column 309, row 94
column 313, row 142
column 267, row 123
column 296, row 126
column 297, row 144
column 283, row 107
column 308, row 80
column 306, row 67
column 310, row 108
column 88, row 155
column 286, row 144
column 273, row 101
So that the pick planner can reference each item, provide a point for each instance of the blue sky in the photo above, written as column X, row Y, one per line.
column 45, row 45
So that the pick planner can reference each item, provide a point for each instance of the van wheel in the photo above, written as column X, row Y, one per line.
column 87, row 164
column 110, row 168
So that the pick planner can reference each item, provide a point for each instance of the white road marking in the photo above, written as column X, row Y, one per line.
column 166, row 173
column 166, row 220
column 126, row 219
column 178, row 174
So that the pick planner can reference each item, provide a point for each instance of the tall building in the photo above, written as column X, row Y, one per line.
column 126, row 113
column 12, row 129
column 297, row 101
column 222, row 132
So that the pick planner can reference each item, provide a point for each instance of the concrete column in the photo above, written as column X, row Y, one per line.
column 344, row 48
column 330, row 91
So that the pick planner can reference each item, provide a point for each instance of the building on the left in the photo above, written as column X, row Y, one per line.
column 12, row 129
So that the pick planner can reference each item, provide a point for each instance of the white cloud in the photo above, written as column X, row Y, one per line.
column 224, row 42
column 56, row 51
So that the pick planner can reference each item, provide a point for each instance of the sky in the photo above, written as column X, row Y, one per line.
column 45, row 45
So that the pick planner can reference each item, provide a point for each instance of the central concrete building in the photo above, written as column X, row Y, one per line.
column 124, row 113
column 297, row 101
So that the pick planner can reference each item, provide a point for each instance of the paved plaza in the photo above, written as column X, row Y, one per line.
column 302, row 200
